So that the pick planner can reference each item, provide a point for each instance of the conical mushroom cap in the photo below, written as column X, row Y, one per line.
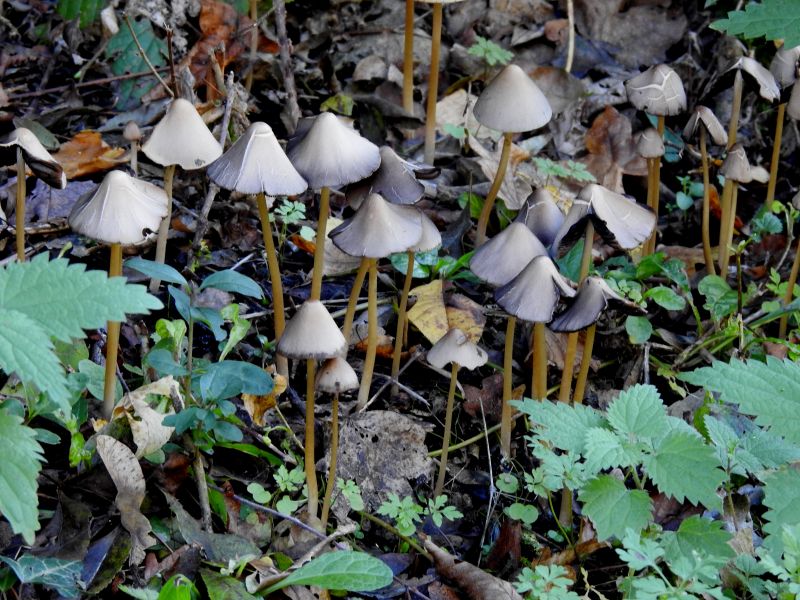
column 38, row 159
column 182, row 138
column 378, row 229
column 430, row 238
column 784, row 65
column 311, row 333
column 256, row 163
column 456, row 347
column 332, row 154
column 512, row 102
column 336, row 376
column 618, row 218
column 533, row 294
column 658, row 91
column 736, row 167
column 793, row 106
column 541, row 215
column 705, row 117
column 395, row 180
column 120, row 210
column 501, row 259
column 767, row 86
column 593, row 297
column 649, row 143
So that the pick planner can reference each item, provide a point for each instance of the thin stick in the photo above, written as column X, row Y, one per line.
column 570, row 35
column 253, row 44
column 82, row 84
column 401, row 320
column 433, row 85
column 319, row 249
column 408, row 60
column 163, row 229
column 776, row 156
column 292, row 109
column 488, row 205
column 146, row 59
column 308, row 443
column 709, row 258
column 112, row 341
column 586, row 359
column 326, row 501
column 448, row 423
column 355, row 291
column 372, row 335
column 19, row 215
column 539, row 383
column 506, row 411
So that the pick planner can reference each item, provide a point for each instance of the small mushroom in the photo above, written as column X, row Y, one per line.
column 650, row 146
column 736, row 169
column 455, row 348
column 541, row 215
column 23, row 146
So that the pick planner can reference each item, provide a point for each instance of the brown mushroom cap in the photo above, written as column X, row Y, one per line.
column 430, row 237
column 378, row 229
column 593, row 297
column 658, row 91
column 120, row 210
column 542, row 216
column 512, row 102
column 784, row 65
column 502, row 258
column 331, row 154
column 395, row 180
column 456, row 347
column 182, row 138
column 767, row 86
column 793, row 105
column 533, row 294
column 702, row 116
column 736, row 167
column 336, row 376
column 649, row 143
column 311, row 333
column 38, row 159
column 256, row 163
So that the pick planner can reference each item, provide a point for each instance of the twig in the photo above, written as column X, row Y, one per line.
column 82, row 84
column 390, row 380
column 292, row 109
column 145, row 57
column 202, row 484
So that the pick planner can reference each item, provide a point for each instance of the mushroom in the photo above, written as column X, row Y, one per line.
column 736, row 169
column 650, row 146
column 23, row 146
column 498, row 108
column 311, row 334
column 542, row 216
column 119, row 212
column 133, row 135
column 704, row 119
column 335, row 376
column 377, row 230
column 784, row 69
column 180, row 138
column 256, row 164
column 455, row 348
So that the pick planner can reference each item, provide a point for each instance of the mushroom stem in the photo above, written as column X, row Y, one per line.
column 734, row 195
column 776, row 156
column 163, row 229
column 350, row 313
column 433, row 84
column 19, row 214
column 112, row 341
column 408, row 60
column 135, row 158
column 275, row 281
column 319, row 249
column 488, row 205
column 733, row 126
column 539, row 383
column 308, row 443
column 586, row 359
column 789, row 294
column 570, row 35
column 448, row 423
column 372, row 335
column 505, row 417
column 709, row 258
column 654, row 187
column 736, row 108
column 725, row 220
column 326, row 501
column 401, row 320
column 253, row 44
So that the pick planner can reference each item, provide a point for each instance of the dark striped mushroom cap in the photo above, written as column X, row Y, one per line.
column 501, row 259
column 767, row 86
column 182, row 138
column 533, row 295
column 456, row 347
column 542, row 216
column 702, row 116
column 593, row 297
column 512, row 102
column 658, row 91
column 311, row 333
column 649, row 143
column 38, row 159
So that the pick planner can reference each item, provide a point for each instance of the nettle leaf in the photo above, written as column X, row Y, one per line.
column 563, row 426
column 773, row 19
column 127, row 59
column 683, row 466
column 605, row 449
column 346, row 570
column 19, row 470
column 56, row 573
column 698, row 535
column 638, row 412
column 782, row 497
column 613, row 508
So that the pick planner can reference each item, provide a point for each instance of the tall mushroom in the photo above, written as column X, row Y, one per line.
column 784, row 68
column 256, row 164
column 180, row 138
column 736, row 169
column 119, row 212
column 456, row 349
column 498, row 108
column 650, row 146
column 22, row 146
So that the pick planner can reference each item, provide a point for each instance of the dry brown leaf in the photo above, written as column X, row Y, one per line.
column 336, row 261
column 87, row 153
column 612, row 151
column 456, row 109
column 149, row 434
column 513, row 191
column 257, row 406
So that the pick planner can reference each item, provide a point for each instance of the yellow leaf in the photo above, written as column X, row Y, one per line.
column 257, row 406
column 428, row 313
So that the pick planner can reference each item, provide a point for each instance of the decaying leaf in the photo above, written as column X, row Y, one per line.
column 612, row 151
column 434, row 315
column 465, row 314
column 514, row 190
column 87, row 153
column 149, row 434
column 336, row 261
column 456, row 110
column 257, row 406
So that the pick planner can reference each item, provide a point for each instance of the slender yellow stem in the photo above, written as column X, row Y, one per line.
column 651, row 201
column 275, row 281
column 505, row 417
column 135, row 158
column 488, row 205
column 448, row 424
column 350, row 313
column 19, row 216
column 163, row 229
column 709, row 258
column 401, row 319
column 308, row 443
column 787, row 297
column 724, row 251
column 586, row 359
column 112, row 341
column 656, row 186
column 539, row 383
column 776, row 156
column 319, row 250
column 731, row 218
column 253, row 44
column 408, row 60
column 326, row 501
column 433, row 85
column 372, row 335
column 736, row 109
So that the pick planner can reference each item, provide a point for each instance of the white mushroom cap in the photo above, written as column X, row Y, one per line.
column 649, row 143
column 705, row 117
column 120, row 210
column 256, row 163
column 430, row 238
column 658, row 91
column 456, row 347
column 182, row 138
column 593, row 297
column 331, row 154
column 767, row 86
column 793, row 106
column 38, row 159
column 784, row 65
column 336, row 376
column 533, row 294
column 736, row 167
column 512, row 102
column 502, row 258
column 311, row 333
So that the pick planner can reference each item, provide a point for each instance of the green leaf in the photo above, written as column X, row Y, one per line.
column 527, row 513
column 233, row 281
column 605, row 450
column 666, row 297
column 19, row 470
column 639, row 329
column 87, row 10
column 698, row 535
column 613, row 508
column 782, row 498
column 224, row 587
column 721, row 299
column 127, row 59
column 156, row 270
column 55, row 573
column 773, row 19
column 232, row 377
column 238, row 331
column 638, row 411
column 345, row 570
column 400, row 263
column 564, row 426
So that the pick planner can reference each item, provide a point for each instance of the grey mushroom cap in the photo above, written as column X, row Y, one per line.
column 784, row 65
column 255, row 164
column 35, row 155
column 767, row 86
column 542, row 216
column 456, row 347
column 500, row 106
column 533, row 295
column 378, row 229
column 336, row 376
column 649, row 143
column 658, row 91
column 793, row 105
column 736, row 167
column 311, row 333
column 593, row 297
column 331, row 154
column 120, row 211
column 132, row 133
column 502, row 258
column 702, row 116
column 395, row 180
column 182, row 138
column 430, row 237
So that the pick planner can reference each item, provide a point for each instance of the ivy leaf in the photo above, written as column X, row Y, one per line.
column 638, row 412
column 773, row 19
column 347, row 570
column 782, row 498
column 698, row 535
column 56, row 573
column 564, row 426
column 613, row 508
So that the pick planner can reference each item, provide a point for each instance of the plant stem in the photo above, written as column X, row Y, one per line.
column 736, row 109
column 488, row 205
column 401, row 320
column 200, row 480
column 281, row 362
column 539, row 383
column 433, row 85
column 394, row 531
column 319, row 249
column 187, row 384
column 112, row 341
column 408, row 60
column 586, row 359
column 326, row 501
column 505, row 418
column 163, row 228
column 308, row 443
column 19, row 214
column 448, row 423
column 789, row 294
column 253, row 44
column 372, row 335
column 776, row 156
column 709, row 258
column 355, row 291
column 724, row 251
column 570, row 35
column 655, row 185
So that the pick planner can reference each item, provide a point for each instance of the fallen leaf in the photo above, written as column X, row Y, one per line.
column 87, row 153
column 257, row 406
column 612, row 151
column 456, row 109
column 149, row 434
column 490, row 395
column 46, row 203
column 563, row 90
column 429, row 314
column 336, row 261
column 514, row 190
column 466, row 315
column 507, row 549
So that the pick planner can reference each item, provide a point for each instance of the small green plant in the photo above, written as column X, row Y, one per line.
column 569, row 170
column 491, row 53
column 407, row 513
column 545, row 582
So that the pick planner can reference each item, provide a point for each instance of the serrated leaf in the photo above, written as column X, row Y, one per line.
column 698, row 535
column 773, row 19
column 724, row 439
column 345, row 570
column 55, row 573
column 233, row 281
column 562, row 425
column 19, row 469
column 782, row 498
column 683, row 466
column 87, row 10
column 613, row 508
column 638, row 411
column 129, row 60
column 604, row 450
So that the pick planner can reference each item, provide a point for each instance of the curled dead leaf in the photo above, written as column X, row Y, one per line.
column 257, row 406
column 149, row 434
column 87, row 153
